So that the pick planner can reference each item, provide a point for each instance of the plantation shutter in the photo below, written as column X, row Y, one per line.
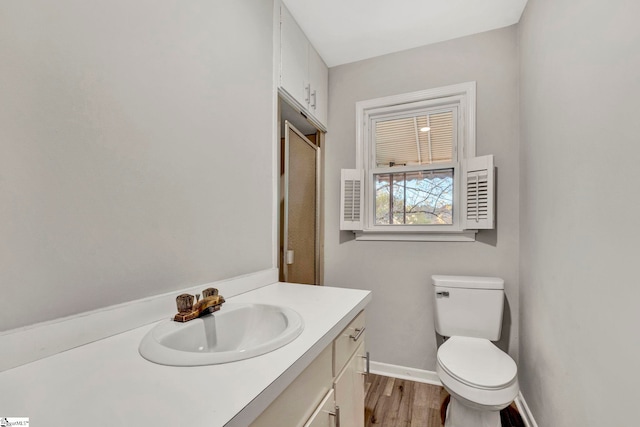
column 478, row 193
column 351, row 199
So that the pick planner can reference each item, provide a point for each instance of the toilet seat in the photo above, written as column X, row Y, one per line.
column 477, row 372
column 477, row 362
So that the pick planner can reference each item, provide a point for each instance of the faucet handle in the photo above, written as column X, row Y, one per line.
column 209, row 292
column 184, row 303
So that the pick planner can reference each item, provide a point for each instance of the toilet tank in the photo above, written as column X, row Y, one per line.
column 468, row 306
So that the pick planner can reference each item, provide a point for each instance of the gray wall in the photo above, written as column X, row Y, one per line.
column 127, row 167
column 399, row 321
column 579, row 234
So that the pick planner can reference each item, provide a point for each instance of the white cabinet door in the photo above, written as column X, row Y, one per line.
column 303, row 74
column 319, row 86
column 349, row 389
column 299, row 401
column 325, row 415
column 294, row 68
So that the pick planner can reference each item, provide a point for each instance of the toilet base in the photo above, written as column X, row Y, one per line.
column 460, row 415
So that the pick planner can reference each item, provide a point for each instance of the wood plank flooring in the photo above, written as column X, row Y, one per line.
column 392, row 402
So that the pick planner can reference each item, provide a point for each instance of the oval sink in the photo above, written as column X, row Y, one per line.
column 236, row 332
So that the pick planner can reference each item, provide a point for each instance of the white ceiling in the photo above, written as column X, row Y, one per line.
column 350, row 30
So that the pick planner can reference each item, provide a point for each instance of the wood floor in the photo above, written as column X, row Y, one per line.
column 392, row 402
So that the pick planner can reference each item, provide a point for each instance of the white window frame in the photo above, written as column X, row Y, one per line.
column 463, row 97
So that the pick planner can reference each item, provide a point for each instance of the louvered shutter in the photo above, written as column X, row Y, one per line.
column 351, row 199
column 478, row 193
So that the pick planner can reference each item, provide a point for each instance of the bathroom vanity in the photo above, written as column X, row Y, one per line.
column 330, row 391
column 107, row 382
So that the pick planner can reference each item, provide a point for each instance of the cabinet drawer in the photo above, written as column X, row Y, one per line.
column 347, row 342
column 325, row 414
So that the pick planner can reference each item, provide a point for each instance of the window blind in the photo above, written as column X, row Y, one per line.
column 402, row 142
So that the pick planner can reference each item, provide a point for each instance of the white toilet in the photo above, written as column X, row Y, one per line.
column 481, row 378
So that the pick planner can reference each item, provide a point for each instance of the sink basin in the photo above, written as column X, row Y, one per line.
column 236, row 332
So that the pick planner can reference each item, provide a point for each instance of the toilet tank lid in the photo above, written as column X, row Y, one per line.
column 468, row 282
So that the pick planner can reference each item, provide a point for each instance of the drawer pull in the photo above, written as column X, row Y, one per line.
column 307, row 93
column 367, row 359
column 359, row 332
column 313, row 103
column 337, row 415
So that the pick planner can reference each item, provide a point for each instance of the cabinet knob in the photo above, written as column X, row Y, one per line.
column 313, row 96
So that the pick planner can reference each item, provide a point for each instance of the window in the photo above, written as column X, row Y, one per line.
column 419, row 138
column 411, row 151
column 423, row 197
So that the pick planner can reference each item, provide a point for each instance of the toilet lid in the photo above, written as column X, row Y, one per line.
column 477, row 362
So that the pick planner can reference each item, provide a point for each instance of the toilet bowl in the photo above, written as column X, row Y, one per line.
column 481, row 378
column 478, row 373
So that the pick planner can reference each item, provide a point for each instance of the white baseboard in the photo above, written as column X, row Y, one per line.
column 33, row 342
column 525, row 412
column 405, row 373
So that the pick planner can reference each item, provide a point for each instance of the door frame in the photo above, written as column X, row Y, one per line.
column 285, row 191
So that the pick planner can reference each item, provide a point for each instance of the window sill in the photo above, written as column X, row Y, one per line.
column 457, row 236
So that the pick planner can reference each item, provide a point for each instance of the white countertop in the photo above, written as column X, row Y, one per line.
column 108, row 383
